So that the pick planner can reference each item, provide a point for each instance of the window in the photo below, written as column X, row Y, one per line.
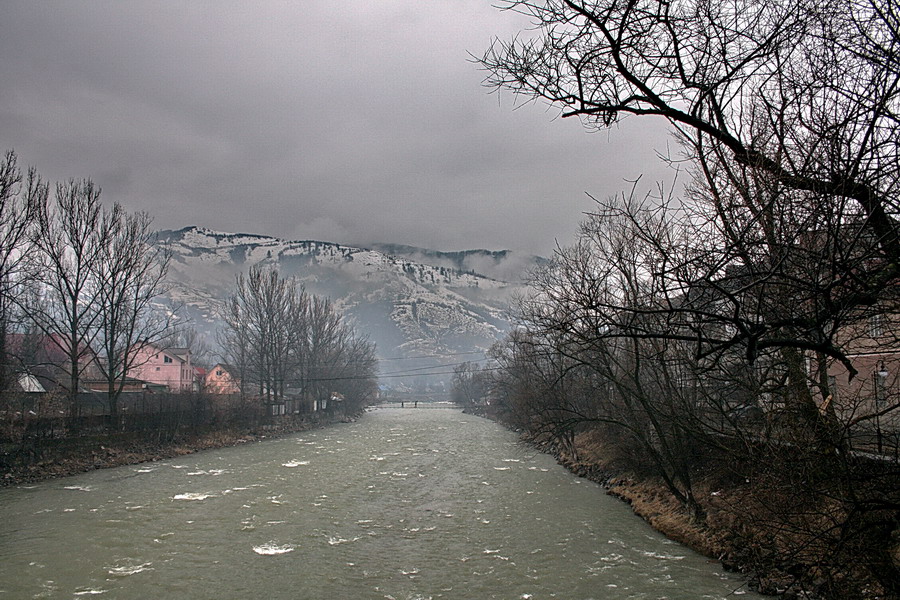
column 157, row 368
column 881, row 384
column 876, row 326
column 167, row 359
column 218, row 373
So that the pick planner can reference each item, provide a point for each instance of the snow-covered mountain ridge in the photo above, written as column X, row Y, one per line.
column 407, row 307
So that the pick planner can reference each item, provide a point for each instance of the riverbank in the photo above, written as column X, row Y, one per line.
column 80, row 455
column 405, row 503
column 727, row 536
column 800, row 518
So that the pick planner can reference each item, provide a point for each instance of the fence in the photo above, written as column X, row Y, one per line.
column 30, row 418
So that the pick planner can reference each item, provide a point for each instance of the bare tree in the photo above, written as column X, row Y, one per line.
column 195, row 341
column 357, row 373
column 266, row 335
column 70, row 238
column 19, row 200
column 130, row 275
column 607, row 344
column 279, row 337
column 787, row 237
column 471, row 385
column 791, row 107
column 263, row 301
column 326, row 336
column 234, row 339
column 606, row 353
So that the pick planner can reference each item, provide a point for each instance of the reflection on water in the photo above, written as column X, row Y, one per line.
column 403, row 504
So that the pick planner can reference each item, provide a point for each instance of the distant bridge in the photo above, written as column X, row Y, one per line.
column 416, row 402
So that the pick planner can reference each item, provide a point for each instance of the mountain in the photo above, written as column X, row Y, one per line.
column 412, row 302
column 503, row 265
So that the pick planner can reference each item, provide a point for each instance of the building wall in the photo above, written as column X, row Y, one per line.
column 161, row 367
column 220, row 381
column 874, row 351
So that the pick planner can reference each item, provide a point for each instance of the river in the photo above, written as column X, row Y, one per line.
column 403, row 504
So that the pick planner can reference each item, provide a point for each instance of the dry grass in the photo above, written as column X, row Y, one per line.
column 652, row 502
column 773, row 523
column 649, row 498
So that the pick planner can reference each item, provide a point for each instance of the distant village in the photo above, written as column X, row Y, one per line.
column 43, row 372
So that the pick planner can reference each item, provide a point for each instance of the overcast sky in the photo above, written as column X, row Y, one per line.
column 355, row 121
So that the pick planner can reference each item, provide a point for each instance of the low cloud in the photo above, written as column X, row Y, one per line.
column 359, row 122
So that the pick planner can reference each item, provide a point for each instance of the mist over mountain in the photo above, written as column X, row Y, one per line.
column 503, row 265
column 412, row 302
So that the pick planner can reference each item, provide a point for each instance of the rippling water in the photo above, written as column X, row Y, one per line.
column 404, row 504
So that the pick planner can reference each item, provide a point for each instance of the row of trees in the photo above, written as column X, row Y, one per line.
column 673, row 321
column 786, row 116
column 802, row 486
column 87, row 280
column 78, row 273
column 283, row 342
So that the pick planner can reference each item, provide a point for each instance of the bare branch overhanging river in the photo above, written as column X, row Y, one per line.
column 403, row 504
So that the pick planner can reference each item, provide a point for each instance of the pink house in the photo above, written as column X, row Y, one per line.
column 170, row 367
column 221, row 379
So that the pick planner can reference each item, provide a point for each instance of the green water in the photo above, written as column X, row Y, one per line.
column 403, row 504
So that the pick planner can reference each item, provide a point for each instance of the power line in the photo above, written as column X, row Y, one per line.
column 433, row 355
column 353, row 378
column 327, row 366
column 429, row 367
column 379, row 360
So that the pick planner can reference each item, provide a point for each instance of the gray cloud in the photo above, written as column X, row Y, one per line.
column 359, row 122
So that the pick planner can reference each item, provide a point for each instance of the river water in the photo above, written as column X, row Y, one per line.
column 403, row 504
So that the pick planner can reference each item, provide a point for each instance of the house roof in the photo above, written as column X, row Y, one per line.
column 29, row 383
column 231, row 370
column 182, row 353
column 35, row 349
